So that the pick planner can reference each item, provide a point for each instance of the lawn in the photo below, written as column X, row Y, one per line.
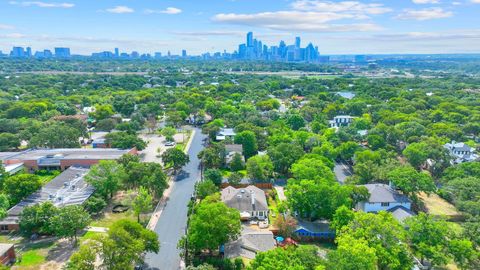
column 34, row 254
column 31, row 258
column 109, row 218
column 438, row 206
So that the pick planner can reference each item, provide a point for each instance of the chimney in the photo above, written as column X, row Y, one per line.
column 253, row 200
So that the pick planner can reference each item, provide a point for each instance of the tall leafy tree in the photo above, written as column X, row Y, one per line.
column 69, row 220
column 211, row 225
column 142, row 203
column 176, row 157
column 20, row 186
column 249, row 142
column 106, row 177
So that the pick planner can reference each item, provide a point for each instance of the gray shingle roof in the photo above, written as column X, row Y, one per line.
column 250, row 243
column 246, row 199
column 400, row 213
column 381, row 193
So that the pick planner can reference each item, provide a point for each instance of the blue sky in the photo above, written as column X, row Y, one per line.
column 337, row 27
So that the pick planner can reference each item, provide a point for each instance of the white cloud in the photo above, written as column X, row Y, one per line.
column 298, row 21
column 12, row 35
column 42, row 4
column 426, row 1
column 344, row 6
column 475, row 1
column 169, row 10
column 120, row 10
column 6, row 27
column 424, row 14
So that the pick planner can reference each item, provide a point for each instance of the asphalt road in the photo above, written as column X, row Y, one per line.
column 342, row 171
column 171, row 224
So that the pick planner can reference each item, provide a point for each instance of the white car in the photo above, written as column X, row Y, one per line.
column 170, row 144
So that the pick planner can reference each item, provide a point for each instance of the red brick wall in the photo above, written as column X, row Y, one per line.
column 9, row 256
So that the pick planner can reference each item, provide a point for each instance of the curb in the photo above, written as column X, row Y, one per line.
column 162, row 203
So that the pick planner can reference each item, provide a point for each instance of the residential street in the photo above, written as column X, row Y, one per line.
column 342, row 171
column 171, row 224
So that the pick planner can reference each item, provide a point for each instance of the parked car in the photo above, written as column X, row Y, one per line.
column 170, row 144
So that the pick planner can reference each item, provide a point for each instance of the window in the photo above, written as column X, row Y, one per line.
column 385, row 204
column 4, row 228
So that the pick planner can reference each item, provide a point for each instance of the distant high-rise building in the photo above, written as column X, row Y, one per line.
column 28, row 52
column 17, row 52
column 184, row 53
column 62, row 52
column 158, row 55
column 117, row 52
column 297, row 42
column 135, row 54
column 250, row 39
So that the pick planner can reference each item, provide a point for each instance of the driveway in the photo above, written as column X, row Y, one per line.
column 172, row 222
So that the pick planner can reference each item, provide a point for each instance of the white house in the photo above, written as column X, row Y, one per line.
column 461, row 152
column 250, row 201
column 225, row 133
column 383, row 197
column 341, row 121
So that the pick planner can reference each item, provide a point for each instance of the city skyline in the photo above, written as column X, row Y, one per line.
column 375, row 27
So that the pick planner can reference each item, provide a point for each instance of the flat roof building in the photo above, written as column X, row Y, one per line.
column 61, row 159
column 68, row 188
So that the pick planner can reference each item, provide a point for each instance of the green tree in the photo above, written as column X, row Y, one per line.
column 125, row 243
column 464, row 253
column 343, row 215
column 105, row 125
column 260, row 168
column 36, row 219
column 103, row 111
column 429, row 238
column 84, row 258
column 352, row 254
column 142, row 203
column 205, row 188
column 213, row 175
column 416, row 154
column 8, row 141
column 235, row 178
column 169, row 132
column 124, row 140
column 176, row 157
column 312, row 168
column 301, row 258
column 56, row 135
column 249, row 142
column 347, row 150
column 237, row 163
column 20, row 186
column 106, row 177
column 295, row 121
column 284, row 155
column 411, row 182
column 384, row 234
column 69, row 220
column 94, row 204
column 211, row 225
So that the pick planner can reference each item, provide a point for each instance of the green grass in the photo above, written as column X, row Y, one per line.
column 31, row 258
column 109, row 218
column 46, row 178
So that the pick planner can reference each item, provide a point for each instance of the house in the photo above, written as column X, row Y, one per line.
column 7, row 254
column 249, row 244
column 461, row 152
column 401, row 213
column 231, row 150
column 250, row 201
column 60, row 159
column 383, row 198
column 314, row 230
column 341, row 121
column 68, row 188
column 225, row 133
